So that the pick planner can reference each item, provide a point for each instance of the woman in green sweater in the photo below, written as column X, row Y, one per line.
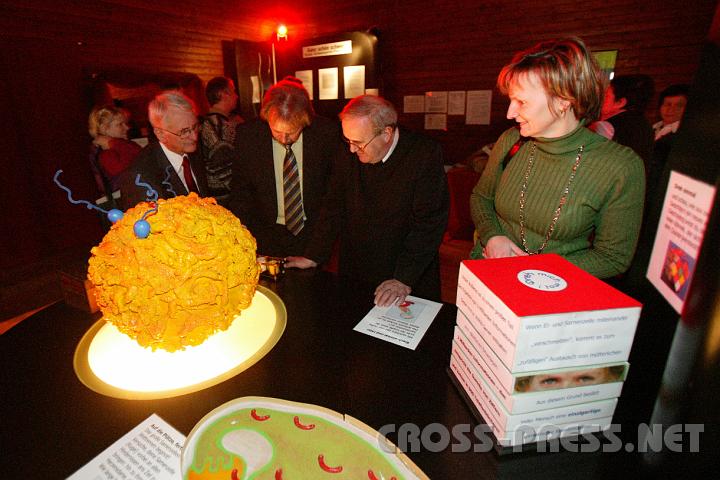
column 565, row 190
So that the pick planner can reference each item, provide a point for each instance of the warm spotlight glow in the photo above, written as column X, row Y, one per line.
column 114, row 364
column 282, row 32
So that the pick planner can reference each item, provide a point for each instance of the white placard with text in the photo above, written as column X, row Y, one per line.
column 456, row 103
column 354, row 80
column 436, row 102
column 306, row 77
column 327, row 49
column 150, row 451
column 435, row 121
column 478, row 107
column 414, row 104
column 403, row 323
column 679, row 237
column 328, row 83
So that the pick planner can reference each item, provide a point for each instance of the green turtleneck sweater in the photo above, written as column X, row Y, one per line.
column 599, row 224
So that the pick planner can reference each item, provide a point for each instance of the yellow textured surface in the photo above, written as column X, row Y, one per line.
column 189, row 279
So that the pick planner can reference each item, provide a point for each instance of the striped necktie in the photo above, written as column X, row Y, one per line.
column 294, row 212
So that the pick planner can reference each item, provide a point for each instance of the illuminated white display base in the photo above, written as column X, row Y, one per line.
column 113, row 364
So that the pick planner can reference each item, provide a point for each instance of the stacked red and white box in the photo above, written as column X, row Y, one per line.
column 540, row 346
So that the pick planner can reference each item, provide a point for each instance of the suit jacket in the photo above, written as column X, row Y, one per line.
column 253, row 192
column 390, row 217
column 633, row 130
column 152, row 164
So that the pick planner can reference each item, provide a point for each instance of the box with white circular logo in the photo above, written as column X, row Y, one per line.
column 540, row 312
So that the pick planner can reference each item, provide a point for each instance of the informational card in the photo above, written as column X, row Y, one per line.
column 306, row 77
column 680, row 234
column 456, row 103
column 435, row 121
column 150, row 451
column 478, row 107
column 328, row 83
column 414, row 104
column 354, row 80
column 403, row 323
column 328, row 49
column 436, row 102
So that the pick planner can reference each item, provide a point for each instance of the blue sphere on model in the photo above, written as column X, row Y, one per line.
column 141, row 229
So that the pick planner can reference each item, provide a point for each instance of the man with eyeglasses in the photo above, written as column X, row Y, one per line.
column 282, row 169
column 172, row 159
column 389, row 208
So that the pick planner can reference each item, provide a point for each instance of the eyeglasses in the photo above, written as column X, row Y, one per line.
column 360, row 148
column 185, row 132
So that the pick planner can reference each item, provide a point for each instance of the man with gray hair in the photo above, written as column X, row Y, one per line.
column 172, row 157
column 389, row 208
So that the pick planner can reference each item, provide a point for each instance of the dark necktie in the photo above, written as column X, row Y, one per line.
column 293, row 197
column 187, row 173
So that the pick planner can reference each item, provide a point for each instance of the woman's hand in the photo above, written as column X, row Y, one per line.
column 299, row 262
column 391, row 291
column 501, row 246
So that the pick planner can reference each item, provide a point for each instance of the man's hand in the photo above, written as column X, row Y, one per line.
column 299, row 262
column 501, row 246
column 391, row 291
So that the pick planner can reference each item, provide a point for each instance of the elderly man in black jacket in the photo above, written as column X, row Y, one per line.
column 388, row 205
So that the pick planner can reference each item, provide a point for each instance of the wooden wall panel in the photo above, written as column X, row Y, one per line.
column 462, row 45
column 423, row 46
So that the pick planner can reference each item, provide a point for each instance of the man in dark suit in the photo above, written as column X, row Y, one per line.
column 282, row 170
column 173, row 157
column 388, row 204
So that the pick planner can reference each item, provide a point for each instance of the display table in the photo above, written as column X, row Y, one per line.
column 52, row 424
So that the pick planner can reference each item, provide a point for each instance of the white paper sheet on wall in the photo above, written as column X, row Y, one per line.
column 414, row 104
column 306, row 77
column 435, row 121
column 436, row 102
column 354, row 80
column 456, row 103
column 478, row 107
column 328, row 83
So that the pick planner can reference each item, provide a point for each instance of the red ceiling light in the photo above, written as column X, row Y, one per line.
column 282, row 32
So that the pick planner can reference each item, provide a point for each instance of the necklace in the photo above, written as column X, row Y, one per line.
column 563, row 200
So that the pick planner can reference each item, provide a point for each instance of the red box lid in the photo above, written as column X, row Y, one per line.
column 582, row 292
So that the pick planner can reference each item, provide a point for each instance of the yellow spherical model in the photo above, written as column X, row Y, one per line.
column 188, row 279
